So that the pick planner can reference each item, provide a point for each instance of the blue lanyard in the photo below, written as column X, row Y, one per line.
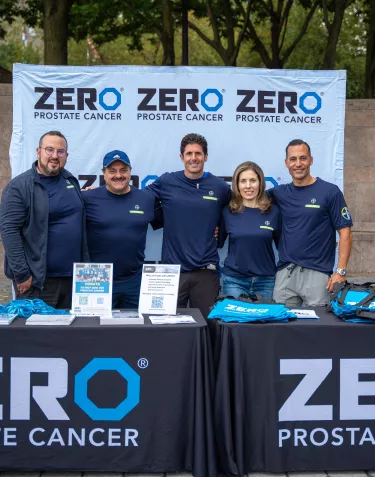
column 26, row 308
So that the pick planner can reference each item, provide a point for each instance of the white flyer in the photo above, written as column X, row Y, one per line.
column 171, row 319
column 49, row 320
column 305, row 314
column 159, row 289
column 7, row 318
column 92, row 289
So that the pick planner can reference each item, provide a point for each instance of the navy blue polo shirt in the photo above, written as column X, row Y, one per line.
column 117, row 227
column 311, row 215
column 65, row 226
column 191, row 209
column 251, row 233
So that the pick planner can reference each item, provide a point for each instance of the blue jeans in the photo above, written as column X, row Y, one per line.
column 236, row 286
column 125, row 293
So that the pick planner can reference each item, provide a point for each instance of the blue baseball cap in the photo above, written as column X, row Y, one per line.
column 116, row 155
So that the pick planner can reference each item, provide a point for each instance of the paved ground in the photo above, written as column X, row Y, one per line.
column 6, row 296
column 5, row 291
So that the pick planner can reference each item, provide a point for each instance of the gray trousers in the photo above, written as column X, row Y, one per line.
column 296, row 286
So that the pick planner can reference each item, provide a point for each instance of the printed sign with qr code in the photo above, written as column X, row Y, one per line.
column 157, row 302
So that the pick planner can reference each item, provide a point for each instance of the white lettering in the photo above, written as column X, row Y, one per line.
column 45, row 396
column 31, row 437
column 312, row 437
column 351, row 388
column 367, row 437
column 131, row 435
column 56, row 437
column 295, row 408
column 10, row 433
column 300, row 435
column 352, row 431
column 112, row 437
column 91, row 437
column 335, row 433
column 283, row 435
column 80, row 439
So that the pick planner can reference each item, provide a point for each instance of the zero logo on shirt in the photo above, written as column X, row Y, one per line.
column 266, row 225
column 211, row 193
column 312, row 204
column 345, row 213
column 136, row 210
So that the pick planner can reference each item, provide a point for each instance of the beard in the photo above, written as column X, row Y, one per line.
column 47, row 171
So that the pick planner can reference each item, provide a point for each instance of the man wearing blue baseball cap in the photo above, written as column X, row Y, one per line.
column 118, row 215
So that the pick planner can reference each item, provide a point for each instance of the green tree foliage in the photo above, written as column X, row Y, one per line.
column 333, row 15
column 233, row 21
column 8, row 11
column 350, row 52
column 107, row 20
column 19, row 45
column 369, row 9
column 276, row 33
column 229, row 21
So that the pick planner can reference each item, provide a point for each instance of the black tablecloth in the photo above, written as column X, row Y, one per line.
column 269, row 377
column 133, row 398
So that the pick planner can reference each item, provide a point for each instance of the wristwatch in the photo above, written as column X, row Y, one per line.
column 341, row 271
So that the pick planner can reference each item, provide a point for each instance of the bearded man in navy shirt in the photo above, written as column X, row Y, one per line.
column 118, row 215
column 312, row 211
column 192, row 201
column 43, row 226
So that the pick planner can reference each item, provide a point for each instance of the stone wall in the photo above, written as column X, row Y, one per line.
column 359, row 174
column 359, row 182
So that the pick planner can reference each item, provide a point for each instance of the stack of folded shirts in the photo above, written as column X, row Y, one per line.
column 241, row 312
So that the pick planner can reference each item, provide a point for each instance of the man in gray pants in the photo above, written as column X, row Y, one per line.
column 312, row 211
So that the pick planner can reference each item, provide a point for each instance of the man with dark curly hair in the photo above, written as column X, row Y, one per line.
column 192, row 200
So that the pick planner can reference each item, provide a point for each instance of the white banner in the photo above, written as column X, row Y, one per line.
column 245, row 114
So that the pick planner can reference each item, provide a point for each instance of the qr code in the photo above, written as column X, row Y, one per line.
column 83, row 300
column 157, row 302
column 100, row 301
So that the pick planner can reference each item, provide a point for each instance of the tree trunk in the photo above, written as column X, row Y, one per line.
column 333, row 34
column 167, row 34
column 56, row 15
column 370, row 54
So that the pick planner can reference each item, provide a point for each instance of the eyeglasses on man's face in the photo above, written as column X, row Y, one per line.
column 50, row 150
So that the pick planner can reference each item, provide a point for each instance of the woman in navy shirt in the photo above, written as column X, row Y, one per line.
column 252, row 223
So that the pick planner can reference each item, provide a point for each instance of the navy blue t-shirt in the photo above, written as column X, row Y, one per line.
column 251, row 234
column 117, row 228
column 191, row 210
column 311, row 215
column 65, row 226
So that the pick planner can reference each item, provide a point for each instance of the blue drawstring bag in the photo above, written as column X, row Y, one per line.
column 354, row 303
column 242, row 312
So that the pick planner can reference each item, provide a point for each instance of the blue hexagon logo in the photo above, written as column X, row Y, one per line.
column 148, row 179
column 109, row 107
column 219, row 100
column 312, row 110
column 272, row 180
column 117, row 413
